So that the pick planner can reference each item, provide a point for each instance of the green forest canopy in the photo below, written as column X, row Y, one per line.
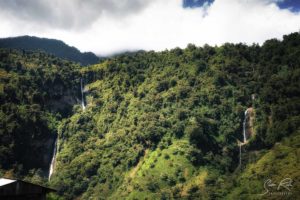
column 158, row 125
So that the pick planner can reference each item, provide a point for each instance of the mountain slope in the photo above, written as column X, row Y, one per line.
column 50, row 46
column 36, row 91
column 279, row 163
column 157, row 125
column 165, row 125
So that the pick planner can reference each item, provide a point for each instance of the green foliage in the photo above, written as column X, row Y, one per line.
column 159, row 125
column 147, row 101
column 50, row 46
column 32, row 96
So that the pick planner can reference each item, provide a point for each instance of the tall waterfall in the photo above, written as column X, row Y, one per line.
column 244, row 126
column 82, row 95
column 240, row 145
column 52, row 165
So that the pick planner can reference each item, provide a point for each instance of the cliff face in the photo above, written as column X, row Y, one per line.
column 64, row 104
column 44, row 155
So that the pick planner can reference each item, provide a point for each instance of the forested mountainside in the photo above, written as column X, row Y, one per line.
column 158, row 125
column 50, row 46
column 36, row 91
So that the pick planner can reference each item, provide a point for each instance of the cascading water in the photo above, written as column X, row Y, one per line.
column 244, row 126
column 52, row 165
column 82, row 95
column 240, row 145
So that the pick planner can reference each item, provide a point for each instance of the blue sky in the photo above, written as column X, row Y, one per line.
column 293, row 5
column 195, row 3
column 111, row 26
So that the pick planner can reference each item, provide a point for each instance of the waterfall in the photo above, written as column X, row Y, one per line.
column 240, row 145
column 244, row 126
column 82, row 95
column 52, row 165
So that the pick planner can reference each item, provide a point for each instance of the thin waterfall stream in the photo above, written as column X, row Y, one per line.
column 52, row 165
column 82, row 95
column 240, row 144
column 244, row 126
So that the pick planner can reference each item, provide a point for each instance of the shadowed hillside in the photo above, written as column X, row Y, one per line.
column 50, row 46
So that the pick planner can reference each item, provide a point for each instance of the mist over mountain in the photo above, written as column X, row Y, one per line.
column 51, row 46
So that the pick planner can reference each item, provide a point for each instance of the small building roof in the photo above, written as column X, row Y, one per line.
column 5, row 181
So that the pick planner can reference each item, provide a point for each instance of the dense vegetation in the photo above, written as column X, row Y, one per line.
column 165, row 125
column 36, row 91
column 50, row 46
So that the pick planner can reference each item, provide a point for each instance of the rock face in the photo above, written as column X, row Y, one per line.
column 48, row 145
column 63, row 105
column 43, row 155
column 64, row 101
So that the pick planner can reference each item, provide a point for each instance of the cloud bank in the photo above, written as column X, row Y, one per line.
column 109, row 26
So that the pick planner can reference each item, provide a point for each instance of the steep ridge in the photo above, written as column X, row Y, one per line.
column 50, row 46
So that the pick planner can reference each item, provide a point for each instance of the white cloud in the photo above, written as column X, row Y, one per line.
column 163, row 24
column 69, row 14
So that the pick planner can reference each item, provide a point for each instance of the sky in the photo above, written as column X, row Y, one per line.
column 106, row 27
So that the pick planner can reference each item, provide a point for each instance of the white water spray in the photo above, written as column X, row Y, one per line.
column 52, row 165
column 82, row 95
column 244, row 126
